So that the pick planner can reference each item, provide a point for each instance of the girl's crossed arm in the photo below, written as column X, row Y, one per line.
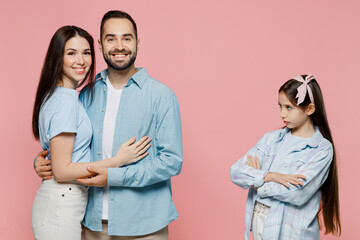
column 246, row 176
column 315, row 171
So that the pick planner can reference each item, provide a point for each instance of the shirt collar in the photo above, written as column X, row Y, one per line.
column 313, row 141
column 139, row 78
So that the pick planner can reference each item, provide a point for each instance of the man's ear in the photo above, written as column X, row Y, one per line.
column 310, row 109
column 100, row 46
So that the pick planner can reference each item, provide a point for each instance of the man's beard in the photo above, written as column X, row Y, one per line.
column 115, row 66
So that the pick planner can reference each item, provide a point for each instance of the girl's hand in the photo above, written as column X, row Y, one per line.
column 284, row 179
column 131, row 151
column 254, row 163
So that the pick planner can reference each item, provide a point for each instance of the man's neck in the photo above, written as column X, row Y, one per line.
column 118, row 78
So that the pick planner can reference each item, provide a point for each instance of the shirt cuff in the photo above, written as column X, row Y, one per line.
column 259, row 179
column 115, row 176
column 261, row 191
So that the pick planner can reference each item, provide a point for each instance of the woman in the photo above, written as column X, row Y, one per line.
column 63, row 128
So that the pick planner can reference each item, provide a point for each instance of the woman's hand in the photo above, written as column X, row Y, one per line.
column 284, row 179
column 131, row 151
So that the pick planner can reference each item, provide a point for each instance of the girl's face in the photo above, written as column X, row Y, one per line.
column 294, row 117
column 76, row 62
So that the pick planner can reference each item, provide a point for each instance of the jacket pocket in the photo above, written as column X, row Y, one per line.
column 299, row 164
column 263, row 153
column 40, row 210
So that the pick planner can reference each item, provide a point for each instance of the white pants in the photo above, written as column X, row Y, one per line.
column 58, row 210
column 260, row 213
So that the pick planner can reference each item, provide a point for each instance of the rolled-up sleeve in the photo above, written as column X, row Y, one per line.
column 245, row 176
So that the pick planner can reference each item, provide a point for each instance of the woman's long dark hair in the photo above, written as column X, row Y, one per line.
column 51, row 73
column 330, row 208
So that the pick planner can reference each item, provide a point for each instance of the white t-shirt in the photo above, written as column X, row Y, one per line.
column 112, row 105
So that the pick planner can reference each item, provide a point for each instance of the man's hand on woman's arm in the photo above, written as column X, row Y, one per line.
column 42, row 166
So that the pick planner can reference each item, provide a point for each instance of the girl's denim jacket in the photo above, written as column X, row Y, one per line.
column 293, row 212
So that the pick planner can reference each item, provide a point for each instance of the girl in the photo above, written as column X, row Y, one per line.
column 61, row 124
column 292, row 172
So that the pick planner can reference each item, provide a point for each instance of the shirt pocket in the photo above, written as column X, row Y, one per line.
column 142, row 117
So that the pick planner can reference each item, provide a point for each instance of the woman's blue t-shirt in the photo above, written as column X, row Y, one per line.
column 64, row 113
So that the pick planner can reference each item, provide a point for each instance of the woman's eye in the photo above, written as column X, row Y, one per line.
column 87, row 53
column 289, row 108
column 71, row 53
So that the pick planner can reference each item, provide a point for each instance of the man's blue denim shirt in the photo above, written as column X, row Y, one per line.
column 140, row 200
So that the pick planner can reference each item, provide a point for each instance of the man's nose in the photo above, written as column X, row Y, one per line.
column 119, row 45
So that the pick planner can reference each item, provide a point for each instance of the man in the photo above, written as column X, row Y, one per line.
column 133, row 200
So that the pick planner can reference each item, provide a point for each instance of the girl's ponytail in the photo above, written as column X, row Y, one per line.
column 330, row 206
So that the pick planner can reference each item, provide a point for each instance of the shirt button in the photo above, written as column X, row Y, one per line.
column 99, row 153
column 100, row 131
column 104, row 89
column 99, row 196
column 102, row 110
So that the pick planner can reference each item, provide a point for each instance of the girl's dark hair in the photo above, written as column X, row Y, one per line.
column 330, row 189
column 51, row 73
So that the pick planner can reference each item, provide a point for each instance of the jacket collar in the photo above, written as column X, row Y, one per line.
column 312, row 142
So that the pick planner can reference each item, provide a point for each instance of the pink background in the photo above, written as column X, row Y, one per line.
column 225, row 60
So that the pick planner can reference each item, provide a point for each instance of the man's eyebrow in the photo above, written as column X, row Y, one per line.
column 128, row 35
column 123, row 35
column 109, row 35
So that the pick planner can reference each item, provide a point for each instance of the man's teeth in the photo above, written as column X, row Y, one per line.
column 119, row 55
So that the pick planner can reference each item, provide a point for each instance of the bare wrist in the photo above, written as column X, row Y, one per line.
column 121, row 161
column 268, row 177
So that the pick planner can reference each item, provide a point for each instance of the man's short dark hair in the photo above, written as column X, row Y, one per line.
column 117, row 14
